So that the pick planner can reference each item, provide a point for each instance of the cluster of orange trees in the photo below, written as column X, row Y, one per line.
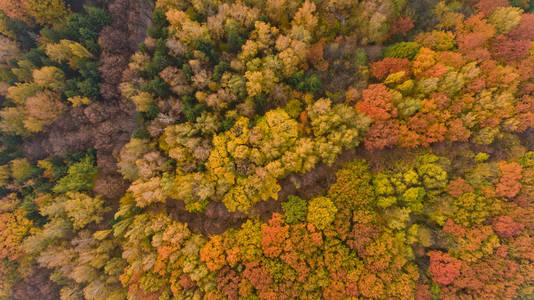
column 433, row 101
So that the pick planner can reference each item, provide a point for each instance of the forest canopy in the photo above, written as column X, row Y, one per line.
column 266, row 149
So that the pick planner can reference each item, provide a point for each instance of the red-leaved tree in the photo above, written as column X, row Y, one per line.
column 443, row 267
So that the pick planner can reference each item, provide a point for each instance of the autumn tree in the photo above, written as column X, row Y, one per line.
column 50, row 77
column 83, row 209
column 46, row 12
column 13, row 229
column 509, row 184
column 390, row 65
column 321, row 212
column 443, row 268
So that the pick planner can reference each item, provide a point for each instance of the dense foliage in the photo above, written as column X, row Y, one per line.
column 266, row 149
